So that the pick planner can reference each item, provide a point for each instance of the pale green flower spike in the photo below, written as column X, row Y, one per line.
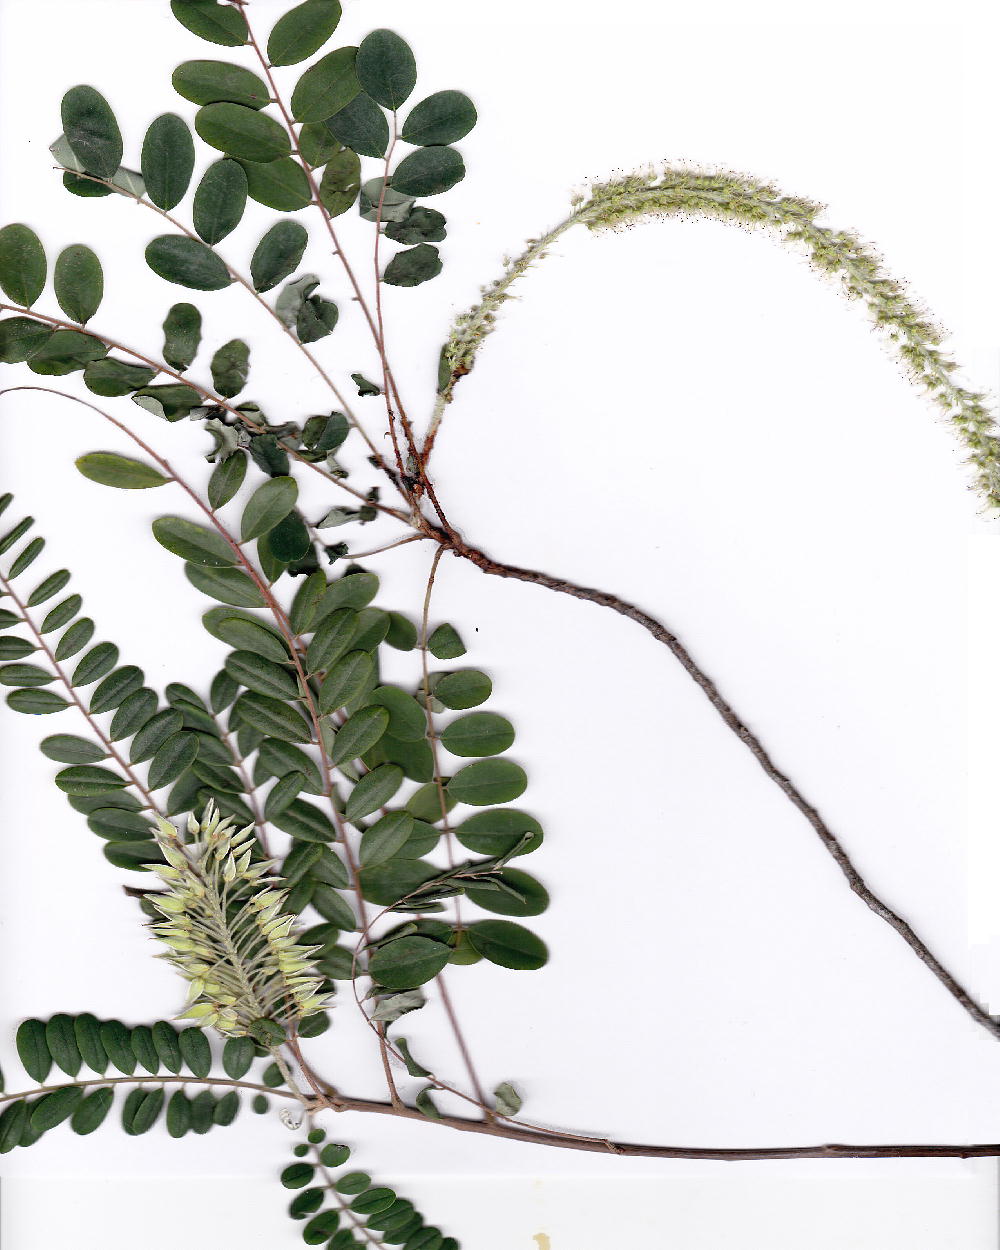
column 226, row 933
column 838, row 253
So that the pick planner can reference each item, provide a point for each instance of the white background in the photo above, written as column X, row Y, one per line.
column 685, row 415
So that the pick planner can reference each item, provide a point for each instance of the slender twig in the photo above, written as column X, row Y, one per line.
column 754, row 745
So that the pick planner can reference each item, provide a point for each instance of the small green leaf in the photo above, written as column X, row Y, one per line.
column 428, row 171
column 60, row 1037
column 48, row 587
column 116, row 1040
column 317, row 318
column 33, row 1050
column 463, row 689
column 345, row 681
column 226, row 480
column 54, row 1108
column 242, row 132
column 272, row 717
column 245, row 634
column 226, row 585
column 381, row 202
column 331, row 639
column 385, row 838
column 220, row 201
column 306, row 822
column 386, row 68
column 423, row 225
column 317, row 144
column 215, row 82
column 302, row 31
column 110, row 469
column 442, row 118
column 507, row 944
column 277, row 254
column 167, row 160
column 260, row 675
column 487, row 782
column 195, row 1051
column 172, row 758
column 226, row 1108
column 187, row 262
column 353, row 1183
column 334, row 1155
column 280, row 184
column 297, row 1175
column 358, row 734
column 13, row 648
column 91, row 1113
column 371, row 1201
column 237, row 1056
column 79, row 282
column 116, row 688
column 230, row 367
column 289, row 540
column 115, row 377
column 167, row 1045
column 20, row 338
column 445, row 643
column 373, row 791
column 269, row 504
column 414, row 266
column 75, row 638
column 25, row 675
column 326, row 87
column 97, row 663
column 144, row 1112
column 182, row 333
column 193, row 542
column 425, row 1104
column 218, row 23
column 361, row 126
column 36, row 702
column 68, row 749
column 153, row 734
column 178, row 1114
column 414, row 1068
column 91, row 131
column 408, row 962
column 87, row 779
column 479, row 733
column 321, row 1228
column 66, row 351
column 523, row 895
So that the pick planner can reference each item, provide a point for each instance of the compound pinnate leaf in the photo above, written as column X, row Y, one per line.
column 302, row 31
column 187, row 262
column 386, row 68
column 79, row 282
column 428, row 171
column 22, row 264
column 277, row 254
column 215, row 82
column 167, row 160
column 110, row 469
column 326, row 87
column 220, row 201
column 217, row 23
column 444, row 117
column 92, row 131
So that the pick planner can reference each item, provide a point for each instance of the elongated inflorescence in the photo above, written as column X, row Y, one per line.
column 749, row 202
column 226, row 931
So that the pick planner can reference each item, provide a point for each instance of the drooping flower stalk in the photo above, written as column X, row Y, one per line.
column 226, row 931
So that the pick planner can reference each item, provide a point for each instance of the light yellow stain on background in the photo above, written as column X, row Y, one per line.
column 544, row 1243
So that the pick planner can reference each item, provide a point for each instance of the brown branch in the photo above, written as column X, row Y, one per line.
column 753, row 744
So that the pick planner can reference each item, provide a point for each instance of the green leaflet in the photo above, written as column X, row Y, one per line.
column 411, row 268
column 79, row 282
column 110, row 469
column 277, row 254
column 218, row 23
column 242, row 132
column 280, row 184
column 187, row 262
column 167, row 160
column 386, row 68
column 230, row 368
column 408, row 962
column 92, row 131
column 214, row 82
column 326, row 87
column 269, row 504
column 182, row 333
column 428, row 171
column 219, row 204
column 361, row 126
column 442, row 118
column 302, row 31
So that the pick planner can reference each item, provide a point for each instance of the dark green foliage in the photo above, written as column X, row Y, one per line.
column 428, row 171
column 79, row 282
column 411, row 268
column 182, row 333
column 187, row 262
column 167, row 160
column 422, row 225
column 213, row 82
column 219, row 202
column 361, row 126
column 277, row 254
column 280, row 184
column 326, row 87
column 386, row 68
column 92, row 131
column 218, row 23
column 444, row 117
column 230, row 367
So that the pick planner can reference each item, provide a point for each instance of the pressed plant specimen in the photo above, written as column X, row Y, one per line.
column 306, row 830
